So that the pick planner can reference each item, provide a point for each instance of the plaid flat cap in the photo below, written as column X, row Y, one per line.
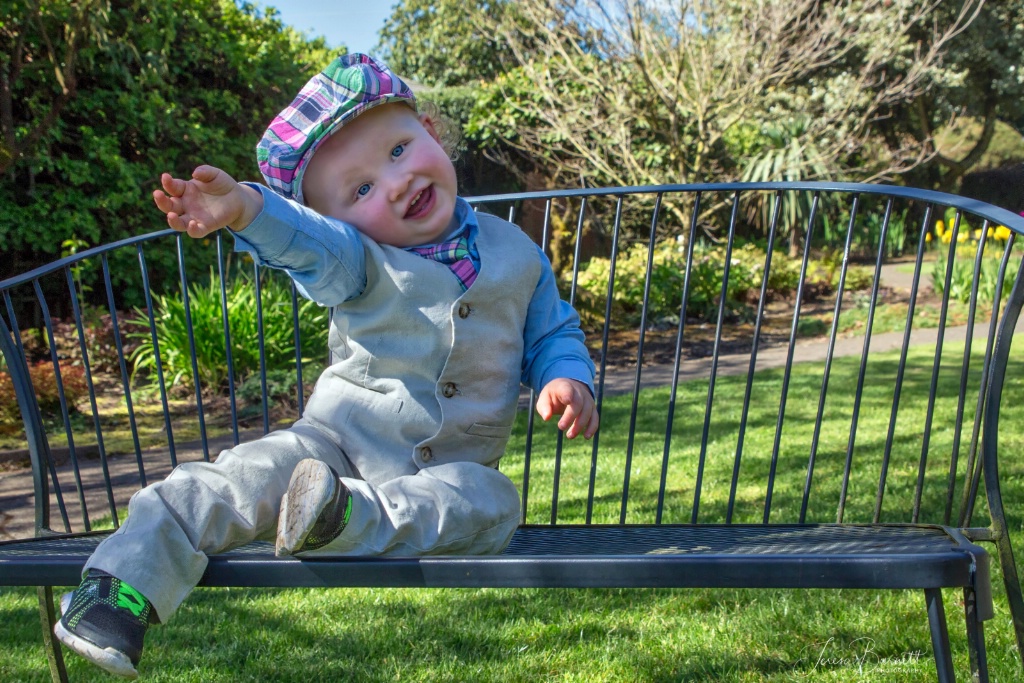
column 349, row 85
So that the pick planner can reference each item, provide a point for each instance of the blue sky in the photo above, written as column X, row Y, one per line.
column 354, row 23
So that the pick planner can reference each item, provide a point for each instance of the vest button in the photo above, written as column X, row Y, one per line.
column 464, row 310
column 425, row 454
column 449, row 389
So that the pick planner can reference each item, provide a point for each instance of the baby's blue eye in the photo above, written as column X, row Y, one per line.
column 363, row 189
column 397, row 151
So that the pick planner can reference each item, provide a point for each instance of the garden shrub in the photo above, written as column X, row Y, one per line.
column 746, row 271
column 47, row 395
column 667, row 279
column 10, row 416
column 208, row 330
column 281, row 385
column 99, row 336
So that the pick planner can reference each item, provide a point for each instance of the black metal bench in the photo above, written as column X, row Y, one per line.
column 725, row 480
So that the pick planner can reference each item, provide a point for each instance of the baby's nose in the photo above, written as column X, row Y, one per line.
column 399, row 185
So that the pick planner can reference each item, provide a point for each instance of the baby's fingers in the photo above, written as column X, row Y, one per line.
column 166, row 203
column 205, row 173
column 175, row 187
column 567, row 422
column 584, row 420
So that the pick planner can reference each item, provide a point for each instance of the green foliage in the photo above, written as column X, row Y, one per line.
column 456, row 105
column 1005, row 149
column 436, row 42
column 699, row 91
column 830, row 231
column 47, row 393
column 962, row 276
column 159, row 85
column 620, row 140
column 207, row 320
column 980, row 81
column 787, row 154
column 746, row 272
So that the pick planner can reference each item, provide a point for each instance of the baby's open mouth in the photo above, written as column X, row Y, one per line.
column 421, row 203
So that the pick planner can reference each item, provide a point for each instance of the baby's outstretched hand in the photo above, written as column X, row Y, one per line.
column 208, row 201
column 573, row 400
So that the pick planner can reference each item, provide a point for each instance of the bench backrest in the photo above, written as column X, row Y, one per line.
column 806, row 380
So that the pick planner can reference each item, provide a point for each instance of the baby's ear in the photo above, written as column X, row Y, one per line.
column 428, row 123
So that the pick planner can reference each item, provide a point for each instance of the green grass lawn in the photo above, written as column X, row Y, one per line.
column 528, row 635
column 624, row 635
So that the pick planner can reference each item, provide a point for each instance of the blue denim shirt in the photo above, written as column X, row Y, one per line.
column 325, row 258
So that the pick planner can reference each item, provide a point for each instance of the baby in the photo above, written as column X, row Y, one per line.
column 439, row 315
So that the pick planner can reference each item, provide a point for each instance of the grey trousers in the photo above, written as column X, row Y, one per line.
column 205, row 508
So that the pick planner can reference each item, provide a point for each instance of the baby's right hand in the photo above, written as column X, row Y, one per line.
column 210, row 200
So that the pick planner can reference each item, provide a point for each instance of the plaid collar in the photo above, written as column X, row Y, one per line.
column 458, row 250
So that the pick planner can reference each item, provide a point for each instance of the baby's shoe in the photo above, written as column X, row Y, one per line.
column 105, row 620
column 315, row 509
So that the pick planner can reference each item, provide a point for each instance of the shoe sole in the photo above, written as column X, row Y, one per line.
column 108, row 659
column 310, row 489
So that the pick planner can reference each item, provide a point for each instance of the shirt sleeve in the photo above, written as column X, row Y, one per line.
column 324, row 256
column 554, row 343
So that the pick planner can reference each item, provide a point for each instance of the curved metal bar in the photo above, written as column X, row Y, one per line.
column 123, row 368
column 297, row 339
column 35, row 435
column 161, row 382
column 862, row 370
column 902, row 366
column 829, row 355
column 936, row 366
column 965, row 369
column 531, row 412
column 990, row 454
column 677, row 358
column 995, row 214
column 226, row 323
column 715, row 355
column 603, row 363
column 748, row 390
column 788, row 373
column 560, row 437
column 192, row 348
column 262, row 344
column 62, row 398
column 81, row 256
column 630, row 440
column 974, row 464
column 98, row 427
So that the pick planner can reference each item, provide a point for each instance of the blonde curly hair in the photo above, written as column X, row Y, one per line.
column 447, row 130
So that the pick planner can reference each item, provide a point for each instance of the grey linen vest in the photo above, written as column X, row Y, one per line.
column 423, row 373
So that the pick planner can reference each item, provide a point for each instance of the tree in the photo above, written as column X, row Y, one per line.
column 448, row 56
column 983, row 81
column 184, row 82
column 42, row 45
column 438, row 44
column 635, row 92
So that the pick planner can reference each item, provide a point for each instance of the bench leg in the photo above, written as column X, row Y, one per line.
column 940, row 636
column 48, row 617
column 1011, row 580
column 975, row 638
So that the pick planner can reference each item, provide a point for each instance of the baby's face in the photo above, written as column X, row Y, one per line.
column 386, row 174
